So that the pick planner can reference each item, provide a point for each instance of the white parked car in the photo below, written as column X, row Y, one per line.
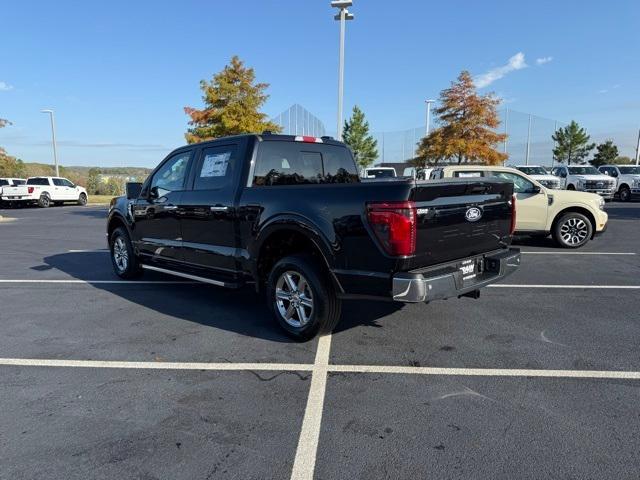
column 44, row 191
column 540, row 175
column 9, row 182
column 585, row 178
column 379, row 172
column 417, row 173
column 627, row 179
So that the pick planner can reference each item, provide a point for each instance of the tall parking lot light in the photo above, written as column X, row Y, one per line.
column 53, row 139
column 428, row 102
column 342, row 16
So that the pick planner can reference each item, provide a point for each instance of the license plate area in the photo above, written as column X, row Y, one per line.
column 469, row 270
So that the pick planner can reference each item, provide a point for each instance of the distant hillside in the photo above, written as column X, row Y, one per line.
column 33, row 169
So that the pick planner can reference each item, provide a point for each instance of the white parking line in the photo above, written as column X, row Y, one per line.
column 37, row 362
column 92, row 250
column 305, row 460
column 580, row 287
column 576, row 253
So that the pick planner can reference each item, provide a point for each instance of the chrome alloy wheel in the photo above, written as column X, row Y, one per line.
column 294, row 299
column 574, row 231
column 120, row 254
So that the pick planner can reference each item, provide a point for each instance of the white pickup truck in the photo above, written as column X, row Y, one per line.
column 585, row 178
column 9, row 182
column 627, row 179
column 540, row 175
column 44, row 191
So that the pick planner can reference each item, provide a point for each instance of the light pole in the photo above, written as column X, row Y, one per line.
column 53, row 139
column 428, row 102
column 342, row 16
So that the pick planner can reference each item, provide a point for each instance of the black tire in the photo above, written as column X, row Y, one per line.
column 119, row 244
column 572, row 230
column 323, row 314
column 624, row 194
column 82, row 199
column 570, row 187
column 44, row 201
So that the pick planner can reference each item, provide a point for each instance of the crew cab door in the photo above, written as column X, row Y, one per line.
column 59, row 190
column 156, row 228
column 207, row 212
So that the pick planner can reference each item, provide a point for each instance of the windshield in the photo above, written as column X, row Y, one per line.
column 19, row 182
column 381, row 172
column 629, row 170
column 533, row 170
column 583, row 171
column 3, row 182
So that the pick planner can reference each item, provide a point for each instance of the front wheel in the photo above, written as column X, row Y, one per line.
column 82, row 199
column 572, row 230
column 625, row 194
column 302, row 298
column 123, row 259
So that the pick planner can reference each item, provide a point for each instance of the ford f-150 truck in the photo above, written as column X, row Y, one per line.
column 45, row 191
column 586, row 179
column 9, row 182
column 627, row 178
column 290, row 216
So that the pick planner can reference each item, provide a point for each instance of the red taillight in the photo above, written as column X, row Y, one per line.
column 394, row 224
column 513, row 215
column 30, row 190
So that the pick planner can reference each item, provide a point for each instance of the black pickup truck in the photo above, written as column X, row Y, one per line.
column 291, row 216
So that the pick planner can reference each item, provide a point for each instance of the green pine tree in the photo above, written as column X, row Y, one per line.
column 606, row 153
column 356, row 135
column 572, row 144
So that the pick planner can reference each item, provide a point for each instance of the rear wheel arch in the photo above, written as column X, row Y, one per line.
column 282, row 240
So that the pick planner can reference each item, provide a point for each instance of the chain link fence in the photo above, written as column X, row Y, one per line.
column 529, row 140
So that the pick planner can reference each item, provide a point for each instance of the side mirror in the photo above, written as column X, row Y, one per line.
column 535, row 190
column 133, row 190
column 614, row 174
column 563, row 174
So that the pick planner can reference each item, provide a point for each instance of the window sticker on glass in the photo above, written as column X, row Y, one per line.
column 215, row 165
column 469, row 174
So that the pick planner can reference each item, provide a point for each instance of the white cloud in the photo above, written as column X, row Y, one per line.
column 516, row 62
column 5, row 87
column 543, row 60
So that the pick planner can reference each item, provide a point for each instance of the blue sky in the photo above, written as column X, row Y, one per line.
column 118, row 74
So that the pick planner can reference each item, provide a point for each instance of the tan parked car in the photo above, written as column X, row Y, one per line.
column 571, row 217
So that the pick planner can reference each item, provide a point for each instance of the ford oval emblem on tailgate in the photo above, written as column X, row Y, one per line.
column 473, row 214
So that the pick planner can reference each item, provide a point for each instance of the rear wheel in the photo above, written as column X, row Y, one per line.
column 123, row 259
column 44, row 201
column 82, row 199
column 625, row 194
column 572, row 230
column 302, row 298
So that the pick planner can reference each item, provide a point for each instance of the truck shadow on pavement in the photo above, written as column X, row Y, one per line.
column 241, row 311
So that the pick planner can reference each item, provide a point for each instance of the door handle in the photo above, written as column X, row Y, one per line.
column 219, row 208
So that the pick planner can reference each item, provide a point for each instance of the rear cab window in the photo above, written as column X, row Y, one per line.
column 296, row 163
column 38, row 181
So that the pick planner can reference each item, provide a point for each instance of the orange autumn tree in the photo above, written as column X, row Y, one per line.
column 232, row 102
column 467, row 131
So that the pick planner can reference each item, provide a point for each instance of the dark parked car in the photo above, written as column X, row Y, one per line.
column 290, row 216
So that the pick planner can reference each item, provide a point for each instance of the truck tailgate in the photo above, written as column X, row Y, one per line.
column 460, row 218
column 18, row 191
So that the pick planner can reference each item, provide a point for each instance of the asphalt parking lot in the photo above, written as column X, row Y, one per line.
column 163, row 379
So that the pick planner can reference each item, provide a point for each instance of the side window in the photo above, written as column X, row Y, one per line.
column 67, row 183
column 281, row 163
column 520, row 184
column 58, row 182
column 170, row 177
column 436, row 174
column 216, row 168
